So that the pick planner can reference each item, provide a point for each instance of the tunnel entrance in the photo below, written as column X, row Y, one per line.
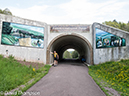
column 74, row 41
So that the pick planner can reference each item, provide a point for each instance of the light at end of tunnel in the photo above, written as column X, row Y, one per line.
column 70, row 50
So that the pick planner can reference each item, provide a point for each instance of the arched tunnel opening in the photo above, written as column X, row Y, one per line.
column 77, row 42
column 71, row 54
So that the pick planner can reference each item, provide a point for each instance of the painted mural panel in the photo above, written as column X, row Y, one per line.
column 107, row 40
column 22, row 35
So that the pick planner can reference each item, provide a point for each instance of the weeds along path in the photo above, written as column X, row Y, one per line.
column 112, row 76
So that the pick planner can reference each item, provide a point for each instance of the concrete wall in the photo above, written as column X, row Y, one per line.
column 40, row 55
column 87, row 35
column 110, row 54
column 27, row 53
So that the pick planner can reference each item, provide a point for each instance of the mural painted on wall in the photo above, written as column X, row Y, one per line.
column 107, row 40
column 22, row 35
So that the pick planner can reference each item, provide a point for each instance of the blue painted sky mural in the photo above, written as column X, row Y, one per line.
column 107, row 40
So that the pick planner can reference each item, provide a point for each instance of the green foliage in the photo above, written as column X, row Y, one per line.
column 11, row 57
column 24, row 60
column 14, row 74
column 116, row 74
column 1, row 56
column 70, row 55
column 6, row 11
column 67, row 55
column 1, row 11
column 75, row 54
column 120, row 25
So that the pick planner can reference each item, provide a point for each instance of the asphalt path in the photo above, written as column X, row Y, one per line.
column 66, row 79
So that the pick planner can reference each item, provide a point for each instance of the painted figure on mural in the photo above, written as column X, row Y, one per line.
column 120, row 42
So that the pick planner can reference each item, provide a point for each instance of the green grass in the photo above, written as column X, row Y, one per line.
column 112, row 74
column 14, row 74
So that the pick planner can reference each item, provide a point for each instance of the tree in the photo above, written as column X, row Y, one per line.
column 113, row 24
column 120, row 25
column 115, row 21
column 75, row 54
column 1, row 11
column 6, row 11
column 67, row 55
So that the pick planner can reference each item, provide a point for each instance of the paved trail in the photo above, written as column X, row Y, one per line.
column 67, row 80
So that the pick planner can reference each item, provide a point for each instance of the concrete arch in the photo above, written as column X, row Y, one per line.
column 69, row 45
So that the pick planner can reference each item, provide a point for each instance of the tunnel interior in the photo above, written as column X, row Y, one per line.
column 70, row 41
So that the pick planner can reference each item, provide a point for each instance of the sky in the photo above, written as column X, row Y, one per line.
column 70, row 49
column 69, row 11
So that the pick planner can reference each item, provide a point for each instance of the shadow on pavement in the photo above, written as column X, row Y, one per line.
column 75, row 62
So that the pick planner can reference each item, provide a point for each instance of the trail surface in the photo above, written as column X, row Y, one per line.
column 67, row 79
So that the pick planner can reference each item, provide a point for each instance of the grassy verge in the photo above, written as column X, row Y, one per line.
column 112, row 75
column 14, row 74
column 40, row 73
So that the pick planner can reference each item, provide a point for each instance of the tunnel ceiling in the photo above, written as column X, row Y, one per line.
column 66, row 42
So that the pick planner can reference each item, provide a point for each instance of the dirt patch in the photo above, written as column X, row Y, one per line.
column 18, row 89
column 112, row 92
column 33, row 64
